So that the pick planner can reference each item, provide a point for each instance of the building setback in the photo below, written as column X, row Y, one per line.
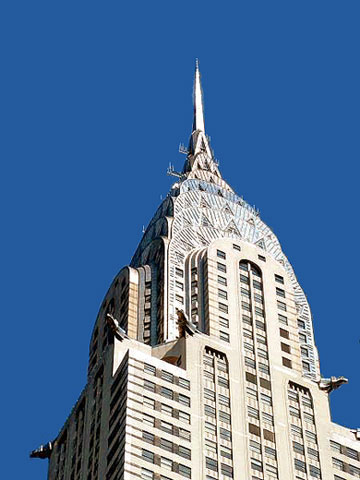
column 202, row 361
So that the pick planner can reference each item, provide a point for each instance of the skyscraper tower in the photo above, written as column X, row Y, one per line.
column 202, row 361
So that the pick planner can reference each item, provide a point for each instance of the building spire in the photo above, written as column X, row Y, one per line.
column 198, row 123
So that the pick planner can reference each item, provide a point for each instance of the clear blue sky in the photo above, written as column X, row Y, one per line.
column 95, row 98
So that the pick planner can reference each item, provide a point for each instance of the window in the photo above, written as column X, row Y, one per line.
column 293, row 396
column 225, row 451
column 266, row 399
column 149, row 402
column 281, row 306
column 184, row 417
column 169, row 377
column 257, row 285
column 258, row 298
column 335, row 446
column 298, row 448
column 236, row 247
column 253, row 412
column 302, row 338
column 166, row 392
column 280, row 292
column 244, row 279
column 184, row 452
column 264, row 368
column 338, row 464
column 166, row 409
column 306, row 366
column 304, row 352
column 210, row 428
column 224, row 417
column 210, row 446
column 296, row 431
column 179, row 298
column 271, row 469
column 255, row 446
column 279, row 278
column 301, row 324
column 284, row 333
column 307, row 402
column 249, row 362
column 246, row 306
column 313, row 453
column 308, row 418
column 245, row 292
column 256, row 465
column 247, row 320
column 259, row 311
column 184, row 434
column 150, row 369
column 352, row 453
column 166, row 444
column 251, row 393
column 224, row 322
column 270, row 452
column 148, row 437
column 282, row 319
column 184, row 383
column 243, row 266
column 223, row 308
column 226, row 470
column 184, row 400
column 184, row 471
column 262, row 353
column 166, row 463
column 221, row 267
column 262, row 258
column 211, row 464
column 294, row 412
column 224, row 336
column 267, row 418
column 300, row 465
column 224, row 382
column 179, row 285
column 285, row 347
column 179, row 272
column 355, row 471
column 149, row 386
column 221, row 254
column 286, row 362
column 146, row 474
column 209, row 411
column 165, row 426
column 224, row 400
column 222, row 294
column 209, row 394
column 225, row 434
column 148, row 420
column 147, row 455
column 311, row 436
column 222, row 280
column 314, row 471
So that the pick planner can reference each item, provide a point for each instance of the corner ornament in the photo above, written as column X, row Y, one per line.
column 332, row 383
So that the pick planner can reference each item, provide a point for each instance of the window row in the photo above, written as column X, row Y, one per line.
column 166, row 445
column 169, row 377
column 165, row 463
column 166, row 392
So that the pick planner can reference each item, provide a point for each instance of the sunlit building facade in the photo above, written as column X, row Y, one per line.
column 202, row 361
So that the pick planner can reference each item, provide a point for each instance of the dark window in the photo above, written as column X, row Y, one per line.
column 285, row 347
column 279, row 278
column 221, row 254
column 284, row 333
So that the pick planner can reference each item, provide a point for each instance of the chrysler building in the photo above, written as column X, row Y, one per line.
column 202, row 360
